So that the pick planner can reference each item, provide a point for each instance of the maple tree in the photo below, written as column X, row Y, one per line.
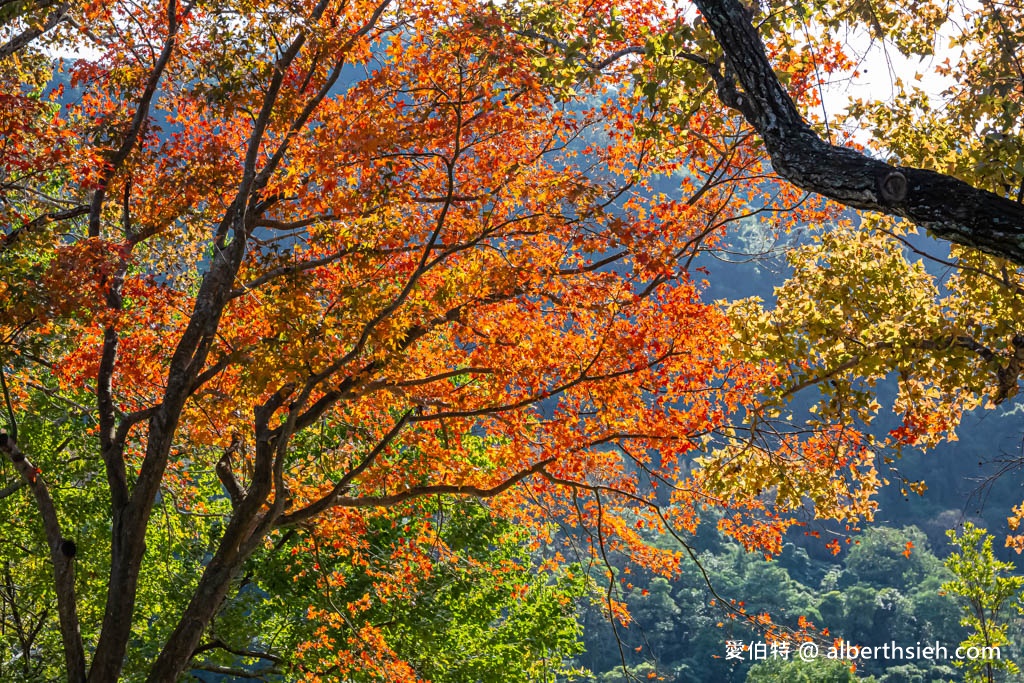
column 279, row 277
column 861, row 305
column 303, row 268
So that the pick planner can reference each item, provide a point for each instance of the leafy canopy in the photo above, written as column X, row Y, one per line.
column 282, row 283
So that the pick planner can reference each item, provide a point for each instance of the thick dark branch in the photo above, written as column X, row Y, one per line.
column 634, row 50
column 213, row 370
column 234, row 672
column 299, row 224
column 111, row 451
column 951, row 209
column 11, row 419
column 12, row 488
column 187, row 361
column 35, row 30
column 219, row 644
column 62, row 553
column 12, row 237
column 226, row 473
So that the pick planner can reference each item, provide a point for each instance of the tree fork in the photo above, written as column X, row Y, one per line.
column 240, row 540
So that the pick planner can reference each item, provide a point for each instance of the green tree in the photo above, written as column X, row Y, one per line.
column 797, row 671
column 990, row 594
column 888, row 557
column 461, row 621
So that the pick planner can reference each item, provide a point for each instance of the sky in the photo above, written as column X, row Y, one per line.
column 881, row 65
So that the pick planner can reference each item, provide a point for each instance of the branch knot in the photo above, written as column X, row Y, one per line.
column 893, row 187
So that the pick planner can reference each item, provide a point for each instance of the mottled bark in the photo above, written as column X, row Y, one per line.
column 950, row 208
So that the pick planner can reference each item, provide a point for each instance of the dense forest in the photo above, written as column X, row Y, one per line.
column 871, row 593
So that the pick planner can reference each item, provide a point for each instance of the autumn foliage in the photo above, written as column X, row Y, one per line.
column 280, row 277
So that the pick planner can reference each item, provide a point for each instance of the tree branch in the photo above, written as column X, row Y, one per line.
column 331, row 499
column 218, row 644
column 35, row 30
column 951, row 209
column 12, row 488
column 226, row 474
column 235, row 672
column 443, row 489
column 139, row 119
column 62, row 553
column 12, row 237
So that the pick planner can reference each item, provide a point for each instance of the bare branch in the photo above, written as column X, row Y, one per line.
column 443, row 489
